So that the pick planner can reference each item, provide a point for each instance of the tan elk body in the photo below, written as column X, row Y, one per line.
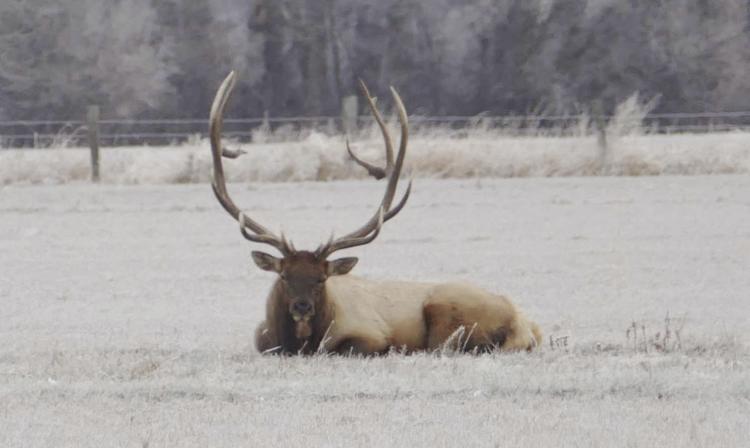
column 364, row 316
column 315, row 305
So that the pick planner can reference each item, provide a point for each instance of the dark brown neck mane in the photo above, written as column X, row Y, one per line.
column 285, row 326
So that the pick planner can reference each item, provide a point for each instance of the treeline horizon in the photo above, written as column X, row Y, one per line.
column 165, row 58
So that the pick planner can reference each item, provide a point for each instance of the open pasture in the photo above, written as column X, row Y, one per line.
column 127, row 316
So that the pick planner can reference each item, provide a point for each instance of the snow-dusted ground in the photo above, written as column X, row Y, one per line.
column 127, row 315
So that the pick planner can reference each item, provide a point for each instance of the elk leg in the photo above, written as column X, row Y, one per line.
column 448, row 326
column 442, row 321
column 265, row 341
column 522, row 335
column 359, row 346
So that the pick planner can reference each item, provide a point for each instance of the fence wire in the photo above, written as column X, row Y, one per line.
column 116, row 132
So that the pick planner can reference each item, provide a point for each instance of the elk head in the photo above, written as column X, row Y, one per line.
column 302, row 274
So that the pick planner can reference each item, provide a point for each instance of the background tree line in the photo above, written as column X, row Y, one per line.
column 164, row 58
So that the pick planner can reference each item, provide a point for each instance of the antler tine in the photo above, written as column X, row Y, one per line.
column 394, row 211
column 260, row 234
column 393, row 176
column 282, row 244
column 376, row 172
column 288, row 245
column 324, row 247
column 345, row 243
column 384, row 212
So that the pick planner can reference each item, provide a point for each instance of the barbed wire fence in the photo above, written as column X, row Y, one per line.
column 42, row 134
column 93, row 132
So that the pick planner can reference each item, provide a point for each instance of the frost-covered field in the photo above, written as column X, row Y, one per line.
column 127, row 315
column 431, row 154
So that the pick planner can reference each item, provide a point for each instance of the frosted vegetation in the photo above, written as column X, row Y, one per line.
column 157, row 59
column 433, row 153
column 477, row 151
column 128, row 314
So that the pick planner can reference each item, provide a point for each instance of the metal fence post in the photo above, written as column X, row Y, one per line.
column 92, row 120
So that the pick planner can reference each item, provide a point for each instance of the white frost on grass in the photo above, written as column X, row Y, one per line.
column 218, row 398
column 128, row 314
column 319, row 157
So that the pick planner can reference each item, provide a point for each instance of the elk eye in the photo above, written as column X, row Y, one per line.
column 283, row 276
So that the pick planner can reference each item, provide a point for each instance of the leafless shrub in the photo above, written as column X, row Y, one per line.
column 666, row 340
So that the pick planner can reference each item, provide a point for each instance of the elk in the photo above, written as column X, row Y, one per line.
column 316, row 306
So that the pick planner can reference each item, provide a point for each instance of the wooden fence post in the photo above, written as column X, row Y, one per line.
column 349, row 111
column 600, row 121
column 92, row 120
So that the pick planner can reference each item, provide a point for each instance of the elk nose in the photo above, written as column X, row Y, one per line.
column 302, row 308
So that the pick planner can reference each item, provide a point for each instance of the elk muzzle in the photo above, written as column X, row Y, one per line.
column 302, row 312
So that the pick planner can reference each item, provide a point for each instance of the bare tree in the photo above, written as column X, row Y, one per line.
column 300, row 57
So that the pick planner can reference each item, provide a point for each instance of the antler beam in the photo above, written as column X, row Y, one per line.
column 252, row 230
column 370, row 230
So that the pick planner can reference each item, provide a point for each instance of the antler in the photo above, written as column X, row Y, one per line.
column 374, row 171
column 255, row 232
column 250, row 229
column 370, row 230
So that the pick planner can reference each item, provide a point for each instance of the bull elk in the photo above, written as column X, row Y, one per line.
column 316, row 306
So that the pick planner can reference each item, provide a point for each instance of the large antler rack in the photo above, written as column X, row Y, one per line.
column 254, row 231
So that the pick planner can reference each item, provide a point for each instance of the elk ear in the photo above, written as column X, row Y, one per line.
column 342, row 265
column 266, row 261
